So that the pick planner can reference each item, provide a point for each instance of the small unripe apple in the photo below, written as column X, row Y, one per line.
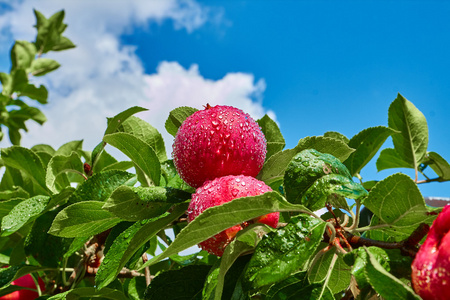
column 218, row 141
column 222, row 190
column 431, row 266
column 25, row 281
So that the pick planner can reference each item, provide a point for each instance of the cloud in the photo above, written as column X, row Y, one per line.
column 102, row 77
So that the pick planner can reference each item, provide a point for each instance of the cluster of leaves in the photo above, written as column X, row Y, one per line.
column 62, row 209
column 27, row 61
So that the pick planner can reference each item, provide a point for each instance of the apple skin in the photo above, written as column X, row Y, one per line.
column 431, row 266
column 25, row 281
column 216, row 142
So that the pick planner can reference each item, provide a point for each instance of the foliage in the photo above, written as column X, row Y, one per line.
column 28, row 60
column 86, row 223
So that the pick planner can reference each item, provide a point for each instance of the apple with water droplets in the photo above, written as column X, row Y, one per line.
column 218, row 141
column 222, row 190
column 431, row 266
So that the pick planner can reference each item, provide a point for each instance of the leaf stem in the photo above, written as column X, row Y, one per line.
column 366, row 228
column 328, row 276
column 438, row 179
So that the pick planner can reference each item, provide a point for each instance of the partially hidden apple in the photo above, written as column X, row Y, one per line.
column 431, row 266
column 222, row 190
column 24, row 281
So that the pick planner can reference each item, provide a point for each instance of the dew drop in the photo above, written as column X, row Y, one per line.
column 234, row 192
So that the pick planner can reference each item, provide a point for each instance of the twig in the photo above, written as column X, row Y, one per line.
column 148, row 277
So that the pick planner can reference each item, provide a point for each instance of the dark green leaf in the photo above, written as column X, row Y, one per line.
column 100, row 186
column 218, row 218
column 147, row 133
column 274, row 168
column 14, row 136
column 389, row 158
column 177, row 117
column 90, row 293
column 47, row 249
column 398, row 204
column 275, row 140
column 129, row 241
column 245, row 241
column 7, row 84
column 7, row 206
column 23, row 213
column 22, row 54
column 139, row 152
column 42, row 66
column 285, row 251
column 171, row 178
column 412, row 141
column 9, row 274
column 137, row 203
column 26, row 113
column 186, row 283
column 367, row 143
column 82, row 219
column 26, row 161
column 312, row 177
column 298, row 287
column 388, row 286
column 60, row 164
column 104, row 159
column 49, row 31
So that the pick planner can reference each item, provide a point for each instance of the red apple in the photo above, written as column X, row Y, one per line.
column 25, row 281
column 431, row 266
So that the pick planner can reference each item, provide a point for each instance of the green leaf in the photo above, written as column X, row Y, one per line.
column 389, row 158
column 245, row 241
column 336, row 135
column 37, row 93
column 218, row 218
column 49, row 31
column 11, row 273
column 387, row 285
column 101, row 185
column 171, row 178
column 137, row 203
column 47, row 249
column 177, row 117
column 367, row 143
column 7, row 84
column 26, row 113
column 42, row 66
column 339, row 277
column 274, row 168
column 16, row 192
column 412, row 141
column 23, row 213
column 83, row 219
column 439, row 165
column 120, row 118
column 22, row 54
column 90, row 293
column 8, row 205
column 69, row 147
column 275, row 140
column 399, row 205
column 298, row 287
column 312, row 177
column 147, row 133
column 60, row 164
column 26, row 161
column 186, row 283
column 63, row 44
column 129, row 241
column 285, row 251
column 139, row 152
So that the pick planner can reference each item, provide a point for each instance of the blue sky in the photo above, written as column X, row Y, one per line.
column 315, row 66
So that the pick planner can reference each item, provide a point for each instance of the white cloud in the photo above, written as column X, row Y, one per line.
column 101, row 77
